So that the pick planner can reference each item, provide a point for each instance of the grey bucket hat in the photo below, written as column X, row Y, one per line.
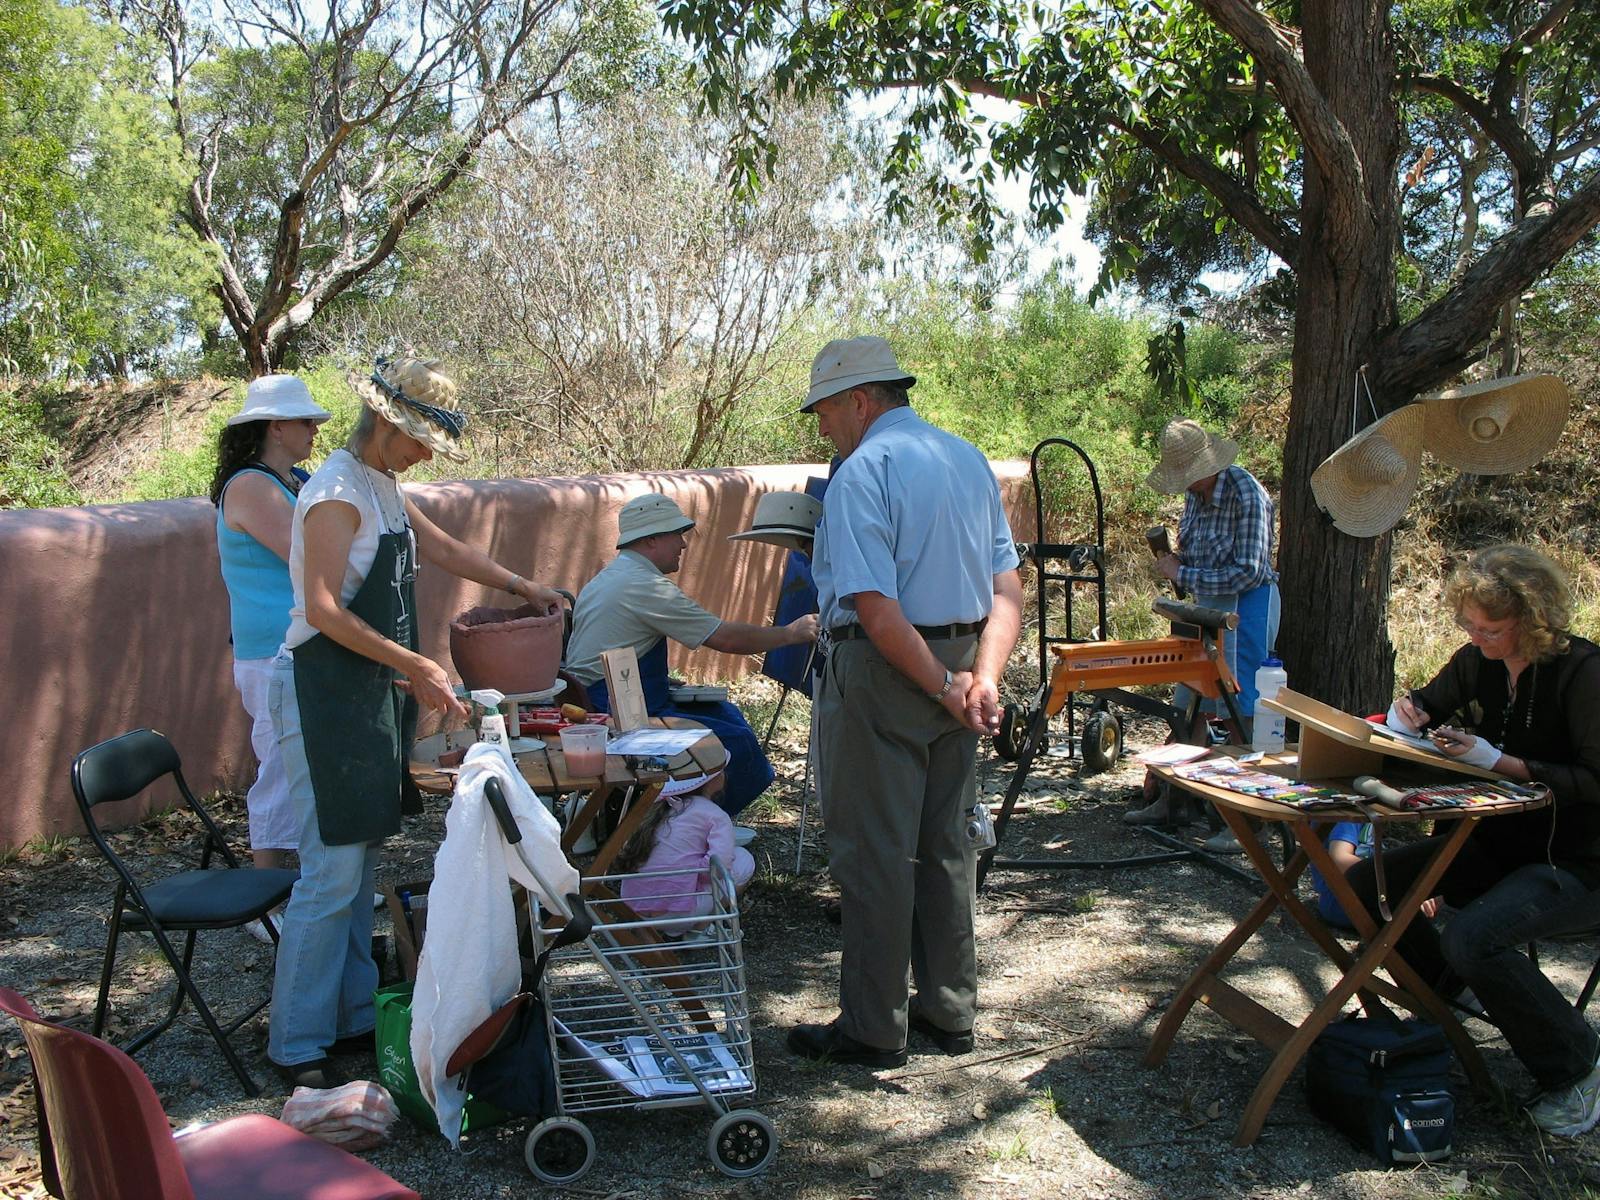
column 647, row 515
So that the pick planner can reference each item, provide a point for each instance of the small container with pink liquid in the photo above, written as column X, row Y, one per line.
column 584, row 748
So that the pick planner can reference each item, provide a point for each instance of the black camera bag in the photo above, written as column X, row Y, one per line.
column 1385, row 1083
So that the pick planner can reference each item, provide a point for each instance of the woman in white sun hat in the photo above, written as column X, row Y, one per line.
column 254, row 488
column 344, row 695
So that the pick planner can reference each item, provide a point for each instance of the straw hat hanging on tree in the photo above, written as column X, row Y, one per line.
column 1366, row 484
column 1497, row 426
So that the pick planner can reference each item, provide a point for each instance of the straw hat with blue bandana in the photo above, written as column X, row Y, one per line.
column 416, row 396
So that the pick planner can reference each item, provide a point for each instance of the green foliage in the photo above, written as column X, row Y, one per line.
column 315, row 138
column 32, row 474
column 260, row 100
column 1049, row 366
column 95, row 274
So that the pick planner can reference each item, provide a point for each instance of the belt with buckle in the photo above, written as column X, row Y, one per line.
column 930, row 633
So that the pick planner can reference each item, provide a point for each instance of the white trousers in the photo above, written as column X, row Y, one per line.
column 273, row 825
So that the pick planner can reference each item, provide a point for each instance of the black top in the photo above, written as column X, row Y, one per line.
column 1553, row 724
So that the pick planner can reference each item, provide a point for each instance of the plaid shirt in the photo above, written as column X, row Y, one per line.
column 1225, row 542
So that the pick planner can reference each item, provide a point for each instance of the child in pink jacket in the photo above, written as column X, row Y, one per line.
column 681, row 834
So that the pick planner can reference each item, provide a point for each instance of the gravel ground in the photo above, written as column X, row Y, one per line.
column 1076, row 968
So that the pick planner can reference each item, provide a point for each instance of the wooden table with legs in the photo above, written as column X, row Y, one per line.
column 545, row 768
column 1289, row 1041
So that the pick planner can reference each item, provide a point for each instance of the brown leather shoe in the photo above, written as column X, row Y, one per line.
column 951, row 1041
column 828, row 1043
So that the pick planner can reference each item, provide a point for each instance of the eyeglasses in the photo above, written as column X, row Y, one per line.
column 1485, row 634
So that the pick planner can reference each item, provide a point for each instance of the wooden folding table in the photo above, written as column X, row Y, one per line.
column 1334, row 747
column 545, row 768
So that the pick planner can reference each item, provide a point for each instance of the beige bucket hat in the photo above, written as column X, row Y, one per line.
column 418, row 397
column 786, row 519
column 647, row 515
column 1189, row 452
column 1496, row 426
column 845, row 363
column 1366, row 484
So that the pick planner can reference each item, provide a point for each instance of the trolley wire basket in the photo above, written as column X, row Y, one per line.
column 646, row 1012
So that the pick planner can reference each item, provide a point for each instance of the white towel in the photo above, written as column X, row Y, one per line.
column 469, row 965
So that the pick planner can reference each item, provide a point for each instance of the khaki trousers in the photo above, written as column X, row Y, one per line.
column 897, row 774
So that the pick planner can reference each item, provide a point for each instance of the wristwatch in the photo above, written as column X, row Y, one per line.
column 938, row 697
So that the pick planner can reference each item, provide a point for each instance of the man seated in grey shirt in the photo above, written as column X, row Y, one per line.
column 631, row 602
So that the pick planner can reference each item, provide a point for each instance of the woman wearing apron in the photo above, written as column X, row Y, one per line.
column 344, row 697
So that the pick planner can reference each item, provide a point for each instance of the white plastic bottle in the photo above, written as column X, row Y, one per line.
column 492, row 724
column 1267, row 733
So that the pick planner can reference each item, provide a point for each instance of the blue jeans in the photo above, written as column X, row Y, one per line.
column 325, row 975
column 1481, row 947
column 1248, row 646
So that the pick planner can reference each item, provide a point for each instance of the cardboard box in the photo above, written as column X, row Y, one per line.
column 410, row 920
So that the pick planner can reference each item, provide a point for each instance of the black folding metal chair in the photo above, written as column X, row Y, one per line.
column 222, row 897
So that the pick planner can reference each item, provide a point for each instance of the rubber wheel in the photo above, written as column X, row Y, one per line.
column 1013, row 733
column 559, row 1150
column 1102, row 742
column 742, row 1143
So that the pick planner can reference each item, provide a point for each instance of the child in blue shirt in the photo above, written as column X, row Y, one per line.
column 1349, row 842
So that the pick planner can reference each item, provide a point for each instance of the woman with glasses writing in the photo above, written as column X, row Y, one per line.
column 1521, row 698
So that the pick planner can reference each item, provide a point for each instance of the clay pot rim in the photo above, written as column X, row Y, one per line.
column 486, row 618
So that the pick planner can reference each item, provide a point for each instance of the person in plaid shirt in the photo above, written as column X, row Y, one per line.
column 1224, row 560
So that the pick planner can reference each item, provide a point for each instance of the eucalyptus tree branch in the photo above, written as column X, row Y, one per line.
column 1238, row 200
column 1437, row 343
column 1498, row 123
column 1577, row 149
column 1327, row 144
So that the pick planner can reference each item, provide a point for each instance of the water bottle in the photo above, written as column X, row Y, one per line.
column 1268, row 725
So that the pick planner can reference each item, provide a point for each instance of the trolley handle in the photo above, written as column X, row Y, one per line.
column 496, row 796
column 579, row 919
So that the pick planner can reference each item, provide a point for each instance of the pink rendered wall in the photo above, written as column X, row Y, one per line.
column 116, row 616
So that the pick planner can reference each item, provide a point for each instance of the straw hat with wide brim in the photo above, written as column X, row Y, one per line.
column 1366, row 484
column 1188, row 453
column 417, row 397
column 1497, row 426
column 786, row 519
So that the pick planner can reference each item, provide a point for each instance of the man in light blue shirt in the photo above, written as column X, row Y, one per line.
column 917, row 582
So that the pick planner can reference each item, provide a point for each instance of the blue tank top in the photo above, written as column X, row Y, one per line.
column 259, row 592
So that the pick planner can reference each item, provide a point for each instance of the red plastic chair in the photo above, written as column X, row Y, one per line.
column 103, row 1135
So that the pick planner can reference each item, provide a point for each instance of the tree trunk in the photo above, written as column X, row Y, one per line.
column 259, row 356
column 1346, row 299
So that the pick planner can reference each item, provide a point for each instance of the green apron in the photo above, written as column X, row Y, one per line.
column 358, row 726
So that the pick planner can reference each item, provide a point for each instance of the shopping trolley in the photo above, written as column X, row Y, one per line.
column 644, row 1013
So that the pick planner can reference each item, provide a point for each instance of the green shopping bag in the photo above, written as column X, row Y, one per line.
column 398, row 1074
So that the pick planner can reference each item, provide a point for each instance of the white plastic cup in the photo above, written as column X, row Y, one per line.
column 584, row 748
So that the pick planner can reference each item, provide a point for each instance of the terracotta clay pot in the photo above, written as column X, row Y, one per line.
column 511, row 650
